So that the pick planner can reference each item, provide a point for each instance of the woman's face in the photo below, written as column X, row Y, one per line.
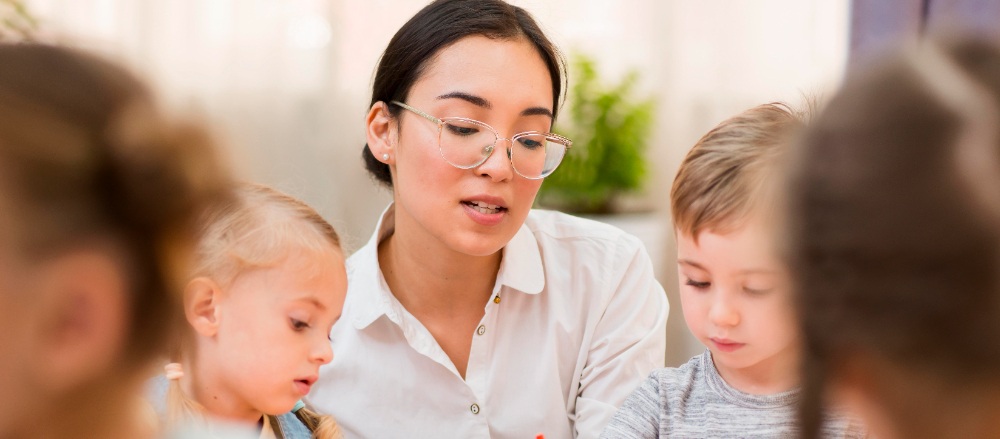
column 504, row 83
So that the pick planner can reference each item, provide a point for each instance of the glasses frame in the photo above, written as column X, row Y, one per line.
column 567, row 143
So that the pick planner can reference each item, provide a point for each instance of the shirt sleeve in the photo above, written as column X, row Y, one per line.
column 628, row 342
column 638, row 418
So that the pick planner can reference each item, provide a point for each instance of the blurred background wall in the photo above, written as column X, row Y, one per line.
column 287, row 81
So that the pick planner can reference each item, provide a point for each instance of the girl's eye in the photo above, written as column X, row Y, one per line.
column 698, row 285
column 299, row 325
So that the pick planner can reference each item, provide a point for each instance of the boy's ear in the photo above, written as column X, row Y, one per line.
column 83, row 323
column 201, row 305
column 380, row 132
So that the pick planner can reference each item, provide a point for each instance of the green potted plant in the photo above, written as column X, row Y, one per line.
column 610, row 130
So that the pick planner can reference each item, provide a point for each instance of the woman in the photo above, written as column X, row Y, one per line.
column 895, row 241
column 98, row 191
column 469, row 314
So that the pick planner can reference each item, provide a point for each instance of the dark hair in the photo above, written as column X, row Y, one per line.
column 85, row 154
column 439, row 25
column 894, row 241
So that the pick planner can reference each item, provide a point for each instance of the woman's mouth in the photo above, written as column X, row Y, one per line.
column 484, row 207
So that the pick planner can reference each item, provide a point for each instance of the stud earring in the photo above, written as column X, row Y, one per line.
column 385, row 156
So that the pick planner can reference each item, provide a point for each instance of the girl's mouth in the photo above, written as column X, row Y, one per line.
column 303, row 385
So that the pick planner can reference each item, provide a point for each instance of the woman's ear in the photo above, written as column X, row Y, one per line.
column 201, row 305
column 381, row 132
column 84, row 320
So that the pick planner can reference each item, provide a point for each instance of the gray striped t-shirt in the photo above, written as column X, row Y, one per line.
column 693, row 401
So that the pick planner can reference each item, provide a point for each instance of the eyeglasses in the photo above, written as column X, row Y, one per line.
column 466, row 143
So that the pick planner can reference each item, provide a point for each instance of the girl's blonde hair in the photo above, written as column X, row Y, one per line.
column 256, row 230
column 727, row 174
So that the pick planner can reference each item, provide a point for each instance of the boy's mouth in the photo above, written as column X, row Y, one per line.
column 726, row 345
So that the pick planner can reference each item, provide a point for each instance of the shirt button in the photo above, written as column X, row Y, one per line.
column 496, row 299
column 481, row 330
column 475, row 409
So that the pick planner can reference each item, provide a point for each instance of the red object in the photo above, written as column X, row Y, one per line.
column 541, row 436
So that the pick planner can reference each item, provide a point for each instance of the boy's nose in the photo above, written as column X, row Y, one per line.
column 724, row 312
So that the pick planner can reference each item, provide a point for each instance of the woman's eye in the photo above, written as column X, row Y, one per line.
column 460, row 130
column 530, row 143
column 698, row 285
column 299, row 325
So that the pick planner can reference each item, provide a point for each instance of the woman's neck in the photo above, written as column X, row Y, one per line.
column 434, row 279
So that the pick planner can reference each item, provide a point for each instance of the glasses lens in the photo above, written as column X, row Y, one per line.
column 466, row 143
column 536, row 155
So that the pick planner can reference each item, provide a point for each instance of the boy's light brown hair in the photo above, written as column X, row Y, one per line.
column 729, row 174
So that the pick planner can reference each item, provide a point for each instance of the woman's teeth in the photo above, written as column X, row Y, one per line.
column 484, row 208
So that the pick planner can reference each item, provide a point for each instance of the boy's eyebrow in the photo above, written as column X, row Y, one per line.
column 482, row 102
column 691, row 263
column 758, row 271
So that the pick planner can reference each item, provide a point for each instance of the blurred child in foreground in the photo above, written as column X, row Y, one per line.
column 99, row 192
column 895, row 243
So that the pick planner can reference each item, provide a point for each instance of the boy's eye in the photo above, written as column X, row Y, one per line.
column 298, row 325
column 698, row 285
column 757, row 291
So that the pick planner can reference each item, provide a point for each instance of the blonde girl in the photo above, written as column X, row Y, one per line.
column 269, row 283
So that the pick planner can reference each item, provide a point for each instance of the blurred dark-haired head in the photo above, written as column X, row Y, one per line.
column 895, row 240
column 99, row 192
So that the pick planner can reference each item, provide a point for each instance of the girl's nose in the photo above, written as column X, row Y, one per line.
column 323, row 351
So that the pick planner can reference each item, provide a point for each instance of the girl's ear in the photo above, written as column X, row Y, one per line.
column 201, row 305
column 380, row 132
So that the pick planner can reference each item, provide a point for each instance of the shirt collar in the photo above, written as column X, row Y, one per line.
column 521, row 269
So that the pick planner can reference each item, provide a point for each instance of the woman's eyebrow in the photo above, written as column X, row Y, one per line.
column 482, row 102
column 472, row 99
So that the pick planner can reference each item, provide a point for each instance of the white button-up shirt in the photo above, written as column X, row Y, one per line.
column 576, row 322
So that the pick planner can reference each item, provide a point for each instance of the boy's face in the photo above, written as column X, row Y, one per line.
column 736, row 299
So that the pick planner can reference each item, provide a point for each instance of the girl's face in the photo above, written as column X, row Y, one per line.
column 273, row 330
column 503, row 83
column 736, row 299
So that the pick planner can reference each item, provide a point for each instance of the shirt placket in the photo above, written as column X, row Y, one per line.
column 477, row 373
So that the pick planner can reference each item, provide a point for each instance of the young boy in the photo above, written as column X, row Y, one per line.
column 735, row 293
